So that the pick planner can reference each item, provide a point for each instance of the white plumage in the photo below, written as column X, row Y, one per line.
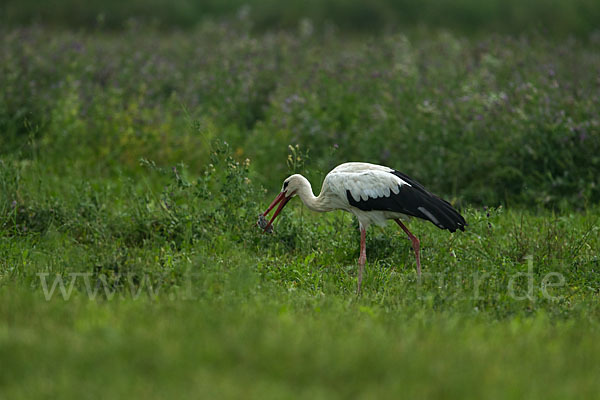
column 364, row 181
column 374, row 194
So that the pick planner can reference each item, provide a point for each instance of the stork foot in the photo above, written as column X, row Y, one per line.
column 361, row 267
column 416, row 245
column 362, row 259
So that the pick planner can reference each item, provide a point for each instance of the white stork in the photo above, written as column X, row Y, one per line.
column 374, row 194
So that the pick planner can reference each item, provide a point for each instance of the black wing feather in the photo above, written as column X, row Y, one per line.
column 416, row 201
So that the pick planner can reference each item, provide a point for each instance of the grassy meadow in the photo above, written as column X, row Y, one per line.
column 137, row 153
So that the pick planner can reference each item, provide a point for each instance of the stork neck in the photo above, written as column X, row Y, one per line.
column 309, row 199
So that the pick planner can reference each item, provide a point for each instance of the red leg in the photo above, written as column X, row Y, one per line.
column 363, row 257
column 415, row 244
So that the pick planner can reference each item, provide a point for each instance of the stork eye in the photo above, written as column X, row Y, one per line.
column 285, row 185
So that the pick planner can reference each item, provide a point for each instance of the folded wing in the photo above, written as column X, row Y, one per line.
column 391, row 190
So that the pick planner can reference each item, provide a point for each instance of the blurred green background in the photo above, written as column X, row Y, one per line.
column 555, row 17
column 486, row 119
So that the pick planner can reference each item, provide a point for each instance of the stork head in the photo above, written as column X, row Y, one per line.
column 292, row 184
column 288, row 190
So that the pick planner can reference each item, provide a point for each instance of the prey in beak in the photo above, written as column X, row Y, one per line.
column 282, row 200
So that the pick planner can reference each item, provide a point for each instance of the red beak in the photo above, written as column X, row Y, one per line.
column 282, row 200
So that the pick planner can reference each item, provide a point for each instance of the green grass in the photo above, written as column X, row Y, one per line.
column 198, row 302
column 133, row 165
column 296, row 346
